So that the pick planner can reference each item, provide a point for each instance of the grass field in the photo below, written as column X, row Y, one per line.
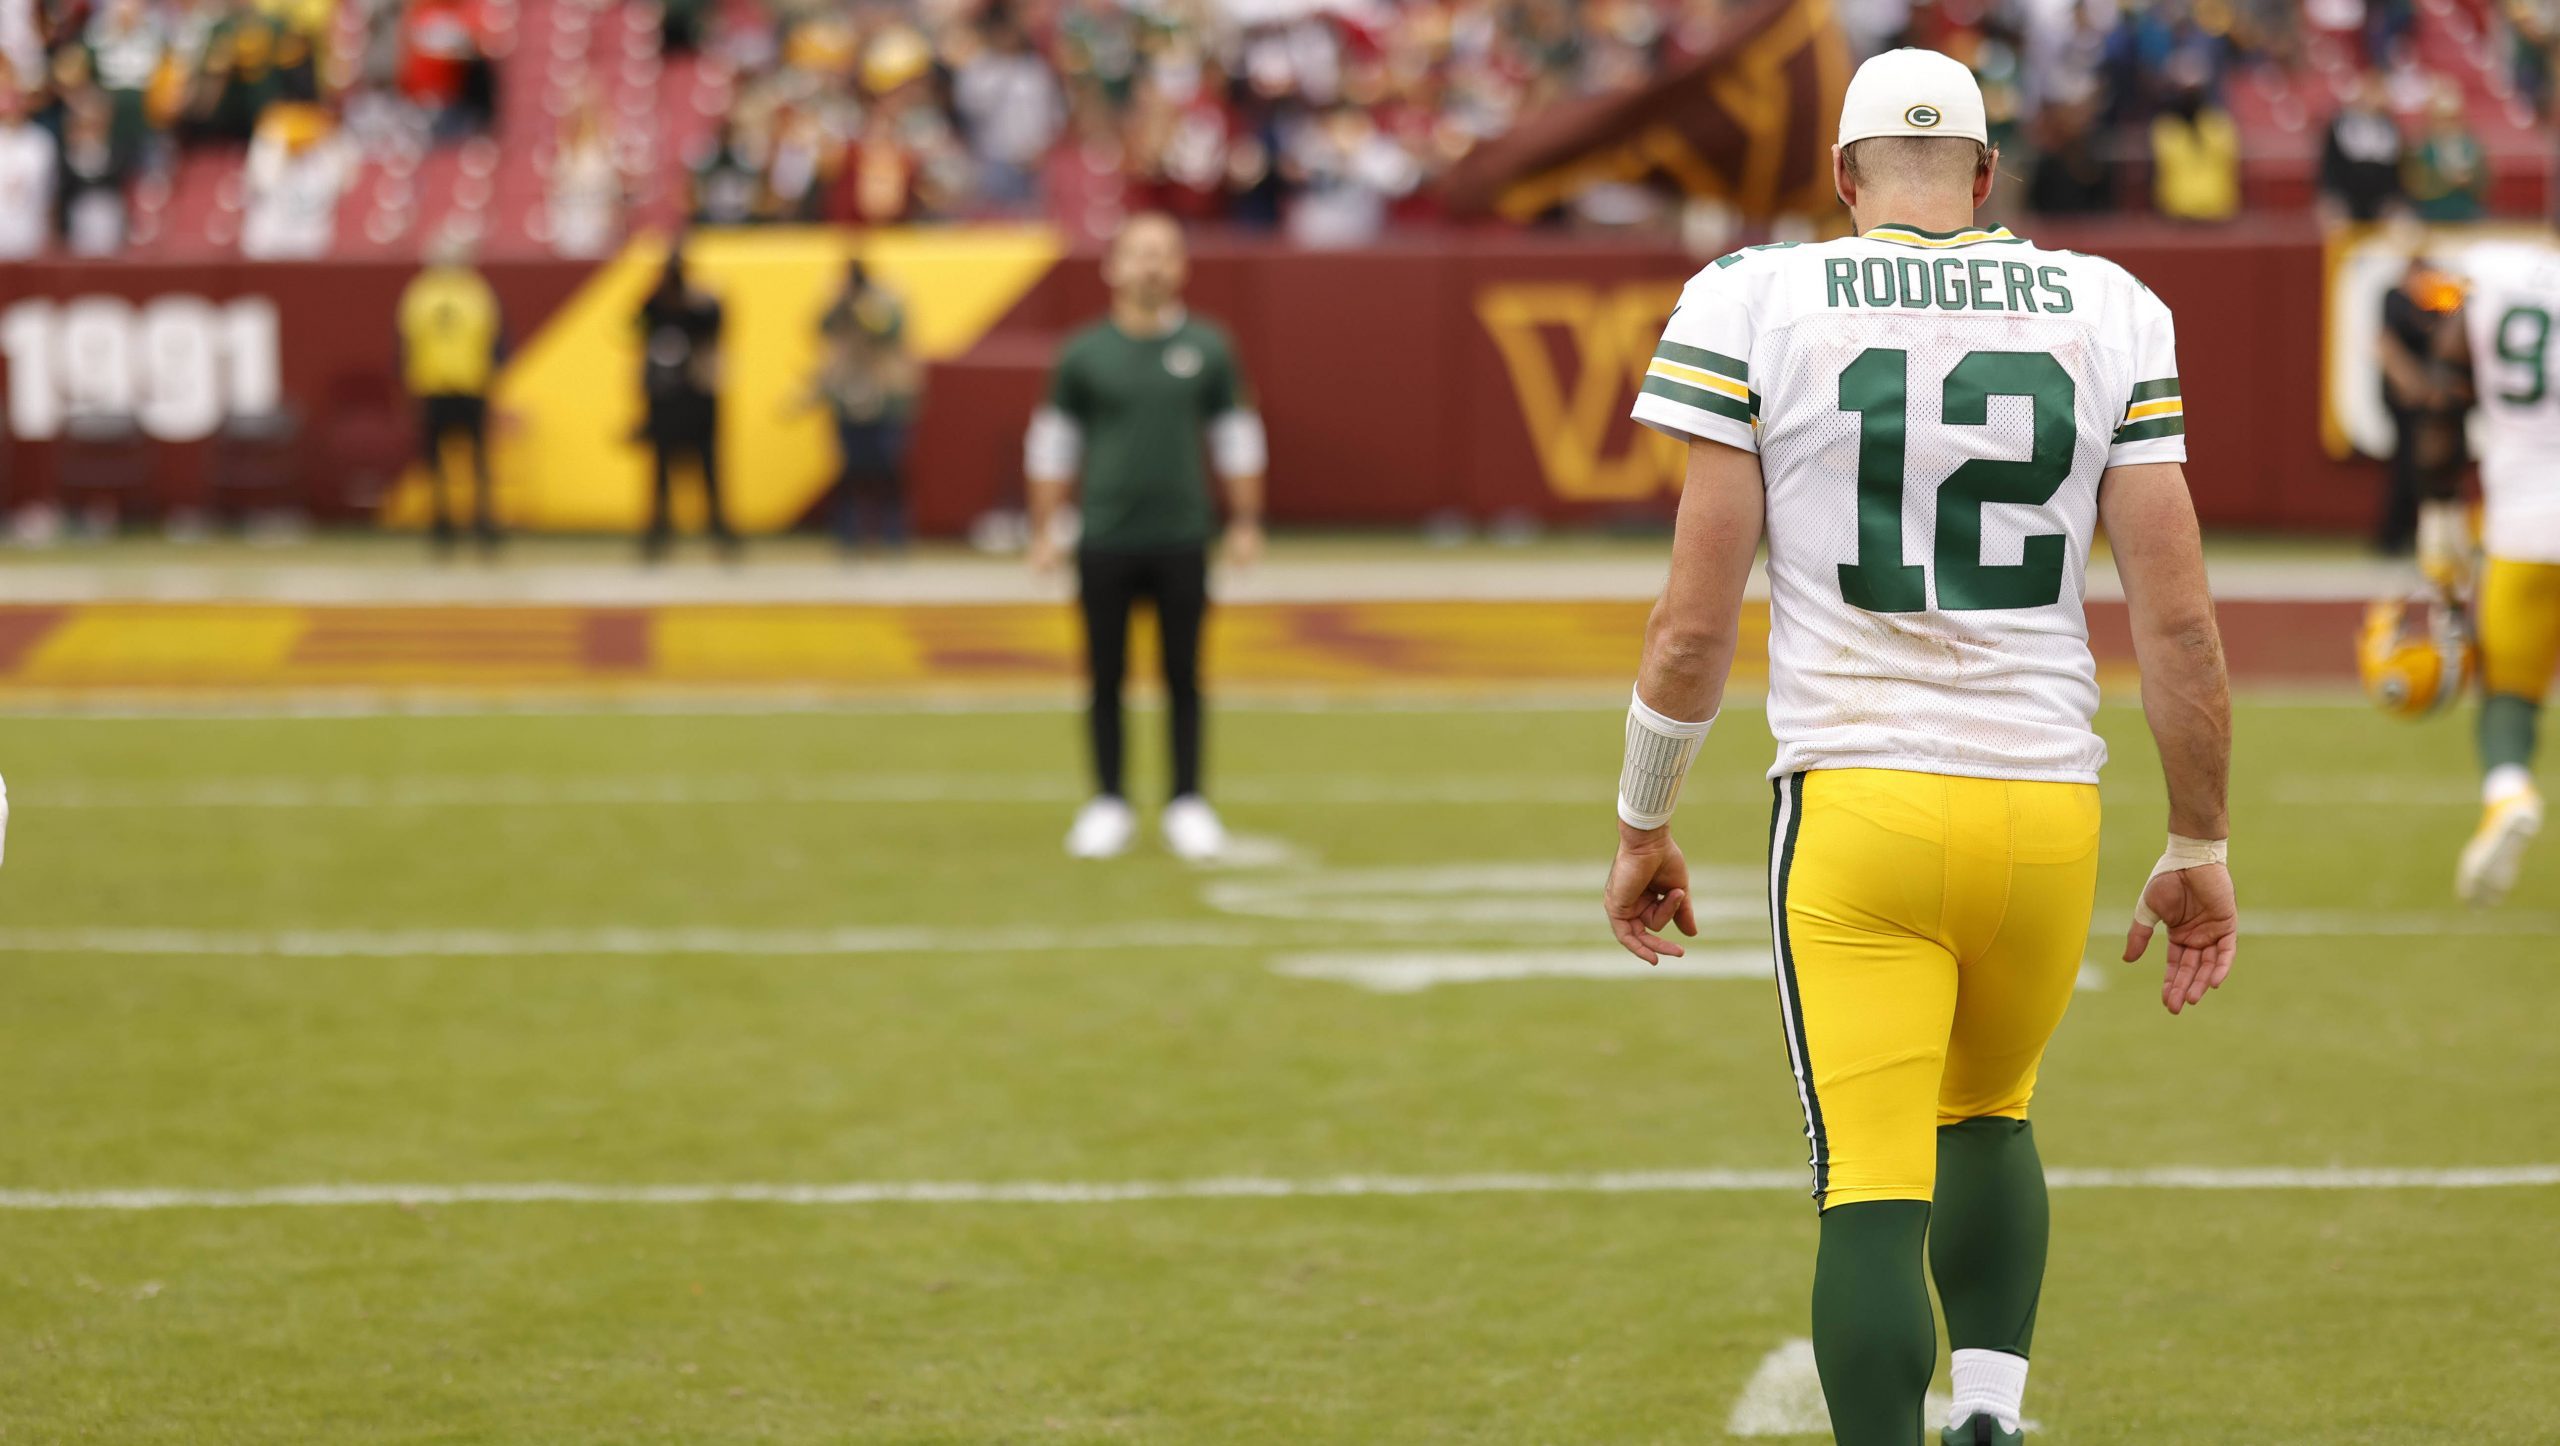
column 623, row 951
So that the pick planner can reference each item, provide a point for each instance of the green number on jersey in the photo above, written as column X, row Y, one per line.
column 2529, row 355
column 1875, row 387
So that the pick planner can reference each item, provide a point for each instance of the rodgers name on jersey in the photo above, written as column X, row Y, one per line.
column 2514, row 294
column 1933, row 414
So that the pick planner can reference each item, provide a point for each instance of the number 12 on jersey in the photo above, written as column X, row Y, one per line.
column 1876, row 386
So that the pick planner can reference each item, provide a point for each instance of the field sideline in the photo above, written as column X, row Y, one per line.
column 710, row 1073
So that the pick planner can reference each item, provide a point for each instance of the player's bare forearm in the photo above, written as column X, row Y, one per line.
column 1042, row 497
column 1244, row 498
column 1689, row 641
column 2186, row 698
column 2186, row 691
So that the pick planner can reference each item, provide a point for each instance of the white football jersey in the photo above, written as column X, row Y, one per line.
column 2515, row 363
column 1933, row 413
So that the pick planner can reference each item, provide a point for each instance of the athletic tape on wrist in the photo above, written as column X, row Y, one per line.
column 2183, row 853
column 1659, row 752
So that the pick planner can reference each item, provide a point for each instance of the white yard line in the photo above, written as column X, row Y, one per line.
column 676, row 789
column 1413, row 971
column 1230, row 1187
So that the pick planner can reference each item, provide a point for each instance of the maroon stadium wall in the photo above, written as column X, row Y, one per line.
column 1476, row 377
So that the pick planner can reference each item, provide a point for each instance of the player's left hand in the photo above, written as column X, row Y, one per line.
column 1244, row 543
column 1648, row 888
column 2202, row 916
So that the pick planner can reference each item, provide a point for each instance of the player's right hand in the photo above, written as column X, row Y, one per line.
column 1044, row 555
column 1648, row 888
column 2202, row 915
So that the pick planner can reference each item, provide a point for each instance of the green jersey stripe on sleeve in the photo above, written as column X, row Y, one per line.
column 2153, row 391
column 1697, row 397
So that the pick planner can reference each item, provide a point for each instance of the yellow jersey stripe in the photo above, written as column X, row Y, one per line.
column 1692, row 376
column 1908, row 237
column 2165, row 407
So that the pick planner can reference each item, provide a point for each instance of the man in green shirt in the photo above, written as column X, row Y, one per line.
column 1139, row 402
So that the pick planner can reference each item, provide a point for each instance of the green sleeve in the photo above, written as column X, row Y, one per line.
column 1227, row 389
column 1066, row 383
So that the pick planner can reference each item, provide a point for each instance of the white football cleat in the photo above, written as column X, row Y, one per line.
column 2495, row 855
column 1192, row 830
column 1102, row 830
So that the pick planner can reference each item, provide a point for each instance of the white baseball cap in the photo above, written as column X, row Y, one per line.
column 1912, row 93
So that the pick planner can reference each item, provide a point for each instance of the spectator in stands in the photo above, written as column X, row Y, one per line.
column 2533, row 39
column 92, row 182
column 727, row 181
column 250, row 59
column 443, row 59
column 2426, row 418
column 297, row 170
column 2072, row 173
column 867, row 380
column 450, row 329
column 680, row 384
column 127, row 50
column 1346, row 171
column 21, row 40
column 795, row 167
column 2448, row 172
column 1011, row 111
column 2195, row 154
column 586, row 188
column 27, row 162
column 2360, row 160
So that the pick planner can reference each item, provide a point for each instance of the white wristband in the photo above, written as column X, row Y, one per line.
column 1659, row 752
column 2182, row 854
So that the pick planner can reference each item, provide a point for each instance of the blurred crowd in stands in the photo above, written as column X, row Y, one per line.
column 1332, row 119
column 1329, row 118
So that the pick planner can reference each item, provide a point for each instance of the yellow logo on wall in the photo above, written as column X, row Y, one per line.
column 1574, row 413
column 571, row 462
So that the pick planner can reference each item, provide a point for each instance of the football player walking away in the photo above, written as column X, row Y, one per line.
column 1951, row 412
column 2501, row 352
column 1135, row 402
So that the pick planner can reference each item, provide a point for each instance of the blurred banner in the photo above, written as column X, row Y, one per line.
column 1748, row 121
column 1481, row 378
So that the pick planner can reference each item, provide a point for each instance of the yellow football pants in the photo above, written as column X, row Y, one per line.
column 1929, row 932
column 2519, row 627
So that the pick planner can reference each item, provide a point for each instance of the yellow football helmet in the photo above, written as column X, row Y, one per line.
column 2416, row 654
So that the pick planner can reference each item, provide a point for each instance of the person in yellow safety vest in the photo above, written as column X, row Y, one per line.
column 450, row 341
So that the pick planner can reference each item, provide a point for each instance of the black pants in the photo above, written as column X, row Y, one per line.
column 871, row 489
column 441, row 414
column 2397, row 530
column 2427, row 457
column 1176, row 580
column 689, row 430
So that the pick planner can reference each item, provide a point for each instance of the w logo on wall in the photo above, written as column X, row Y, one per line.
column 1575, row 353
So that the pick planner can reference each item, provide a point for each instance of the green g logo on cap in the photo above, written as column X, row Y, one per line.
column 1923, row 117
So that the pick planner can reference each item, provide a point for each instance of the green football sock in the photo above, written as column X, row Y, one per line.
column 2507, row 727
column 1873, row 1337
column 1987, row 1237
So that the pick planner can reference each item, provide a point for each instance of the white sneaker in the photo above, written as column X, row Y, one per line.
column 1192, row 830
column 2495, row 855
column 1102, row 830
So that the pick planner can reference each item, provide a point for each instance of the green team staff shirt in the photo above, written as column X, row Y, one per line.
column 1144, row 405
